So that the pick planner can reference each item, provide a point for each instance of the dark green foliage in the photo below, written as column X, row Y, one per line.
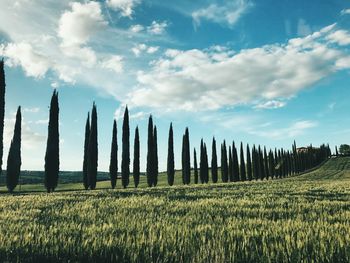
column 93, row 150
column 201, row 163
column 171, row 161
column 136, row 164
column 14, row 158
column 113, row 165
column 242, row 166
column 195, row 166
column 206, row 165
column 2, row 109
column 235, row 164
column 249, row 165
column 230, row 165
column 266, row 165
column 186, row 161
column 86, row 146
column 255, row 165
column 344, row 149
column 150, row 153
column 336, row 151
column 214, row 163
column 52, row 160
column 224, row 168
column 155, row 158
column 271, row 165
column 126, row 149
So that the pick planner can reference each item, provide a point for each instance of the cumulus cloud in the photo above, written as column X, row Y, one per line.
column 136, row 28
column 157, row 28
column 126, row 7
column 23, row 54
column 227, row 13
column 138, row 49
column 32, row 110
column 195, row 80
column 78, row 24
column 114, row 63
column 341, row 37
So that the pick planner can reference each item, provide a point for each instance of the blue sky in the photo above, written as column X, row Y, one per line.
column 263, row 72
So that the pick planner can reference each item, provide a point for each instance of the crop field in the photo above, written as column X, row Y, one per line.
column 298, row 219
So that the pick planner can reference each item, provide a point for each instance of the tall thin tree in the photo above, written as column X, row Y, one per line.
column 150, row 153
column 171, row 161
column 113, row 165
column 249, row 165
column 242, row 166
column 14, row 157
column 214, row 163
column 136, row 164
column 235, row 164
column 195, row 166
column 86, row 146
column 52, row 159
column 155, row 158
column 126, row 149
column 93, row 150
column 224, row 167
column 2, row 109
column 201, row 163
column 230, row 165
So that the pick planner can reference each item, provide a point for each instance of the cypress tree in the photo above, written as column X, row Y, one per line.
column 86, row 146
column 224, row 168
column 186, row 157
column 170, row 163
column 126, row 149
column 280, row 164
column 206, row 166
column 155, row 158
column 242, row 166
column 52, row 161
column 150, row 152
column 195, row 166
column 271, row 165
column 214, row 163
column 260, row 164
column 249, row 165
column 14, row 157
column 230, row 165
column 93, row 150
column 201, row 163
column 2, row 109
column 255, row 163
column 136, row 163
column 235, row 163
column 336, row 151
column 183, row 157
column 266, row 165
column 113, row 165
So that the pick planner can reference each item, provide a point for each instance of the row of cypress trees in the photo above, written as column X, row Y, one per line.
column 258, row 164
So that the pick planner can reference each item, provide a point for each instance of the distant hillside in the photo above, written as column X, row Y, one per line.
column 37, row 177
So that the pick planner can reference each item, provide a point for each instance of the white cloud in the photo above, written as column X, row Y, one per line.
column 138, row 49
column 136, row 28
column 126, row 7
column 343, row 63
column 114, row 63
column 228, row 13
column 341, row 37
column 157, row 28
column 23, row 54
column 32, row 110
column 43, row 121
column 345, row 12
column 272, row 104
column 195, row 80
column 296, row 129
column 83, row 20
column 55, row 84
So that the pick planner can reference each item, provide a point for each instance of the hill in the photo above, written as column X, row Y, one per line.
column 299, row 219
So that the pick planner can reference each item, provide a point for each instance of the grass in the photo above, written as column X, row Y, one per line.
column 299, row 219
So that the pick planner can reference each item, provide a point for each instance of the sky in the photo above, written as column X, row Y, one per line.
column 260, row 72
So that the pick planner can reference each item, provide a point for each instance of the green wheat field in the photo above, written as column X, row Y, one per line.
column 304, row 218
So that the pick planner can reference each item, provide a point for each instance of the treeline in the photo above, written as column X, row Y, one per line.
column 255, row 164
